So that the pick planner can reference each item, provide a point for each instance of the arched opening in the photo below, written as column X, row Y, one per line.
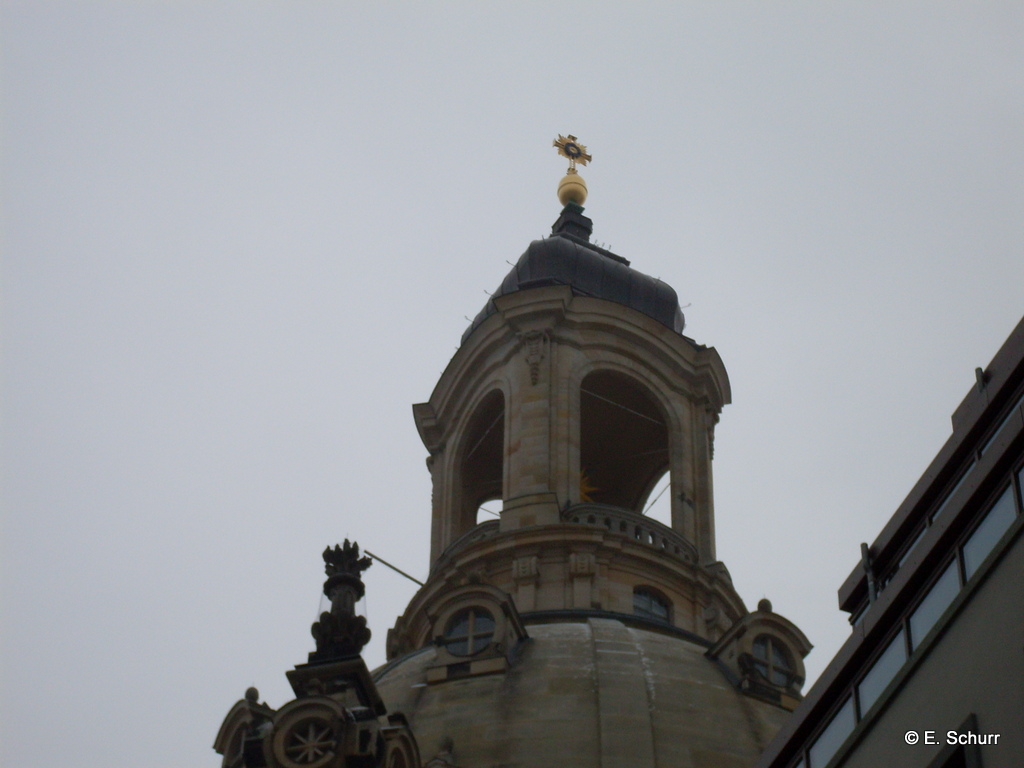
column 482, row 465
column 623, row 441
column 489, row 509
column 658, row 503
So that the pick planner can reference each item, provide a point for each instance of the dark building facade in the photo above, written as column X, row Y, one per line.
column 933, row 673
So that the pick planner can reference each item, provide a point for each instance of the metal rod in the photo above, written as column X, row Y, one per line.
column 657, row 497
column 389, row 565
column 620, row 405
column 493, row 424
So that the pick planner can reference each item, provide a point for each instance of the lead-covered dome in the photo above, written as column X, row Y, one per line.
column 568, row 258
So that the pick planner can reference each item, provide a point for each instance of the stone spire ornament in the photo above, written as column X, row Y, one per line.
column 572, row 188
column 337, row 718
column 340, row 633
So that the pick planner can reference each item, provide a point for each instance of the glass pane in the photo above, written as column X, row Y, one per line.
column 459, row 627
column 905, row 555
column 931, row 608
column 484, row 623
column 458, row 647
column 761, row 648
column 779, row 657
column 649, row 605
column 1006, row 420
column 998, row 519
column 480, row 642
column 883, row 671
column 779, row 677
column 659, row 609
column 832, row 737
column 641, row 603
column 952, row 493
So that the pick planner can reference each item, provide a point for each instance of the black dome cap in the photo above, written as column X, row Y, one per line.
column 567, row 259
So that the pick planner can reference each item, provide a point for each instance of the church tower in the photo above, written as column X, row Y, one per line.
column 573, row 620
column 571, row 628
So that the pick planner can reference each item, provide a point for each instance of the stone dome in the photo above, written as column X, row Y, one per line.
column 592, row 692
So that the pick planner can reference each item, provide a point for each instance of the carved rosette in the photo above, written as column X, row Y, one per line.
column 310, row 733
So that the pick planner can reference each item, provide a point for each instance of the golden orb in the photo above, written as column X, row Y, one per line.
column 572, row 189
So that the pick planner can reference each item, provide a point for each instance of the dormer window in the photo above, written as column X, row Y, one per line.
column 650, row 605
column 772, row 660
column 469, row 632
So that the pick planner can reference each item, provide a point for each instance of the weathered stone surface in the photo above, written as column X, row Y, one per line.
column 591, row 693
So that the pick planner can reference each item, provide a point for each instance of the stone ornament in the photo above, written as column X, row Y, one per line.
column 525, row 568
column 535, row 344
column 340, row 633
column 308, row 733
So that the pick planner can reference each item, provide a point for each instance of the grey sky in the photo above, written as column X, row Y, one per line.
column 241, row 239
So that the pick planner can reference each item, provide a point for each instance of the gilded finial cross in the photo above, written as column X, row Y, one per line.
column 569, row 148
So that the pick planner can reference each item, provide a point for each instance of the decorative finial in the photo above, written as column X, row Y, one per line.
column 572, row 188
column 340, row 633
column 345, row 559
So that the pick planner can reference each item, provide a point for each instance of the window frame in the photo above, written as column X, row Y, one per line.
column 472, row 637
column 655, row 597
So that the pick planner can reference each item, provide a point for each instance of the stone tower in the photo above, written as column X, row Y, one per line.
column 573, row 629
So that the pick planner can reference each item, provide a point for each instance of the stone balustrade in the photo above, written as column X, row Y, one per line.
column 633, row 525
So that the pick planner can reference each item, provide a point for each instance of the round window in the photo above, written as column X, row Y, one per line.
column 771, row 659
column 469, row 632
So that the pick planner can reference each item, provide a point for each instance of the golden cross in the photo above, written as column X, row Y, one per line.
column 569, row 148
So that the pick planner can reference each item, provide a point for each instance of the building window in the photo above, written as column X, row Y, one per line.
column 835, row 733
column 469, row 632
column 945, row 502
column 650, row 605
column 934, row 604
column 988, row 532
column 882, row 672
column 772, row 660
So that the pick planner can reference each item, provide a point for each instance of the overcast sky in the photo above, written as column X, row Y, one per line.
column 240, row 240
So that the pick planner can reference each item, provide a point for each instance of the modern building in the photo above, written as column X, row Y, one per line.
column 932, row 675
column 574, row 629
